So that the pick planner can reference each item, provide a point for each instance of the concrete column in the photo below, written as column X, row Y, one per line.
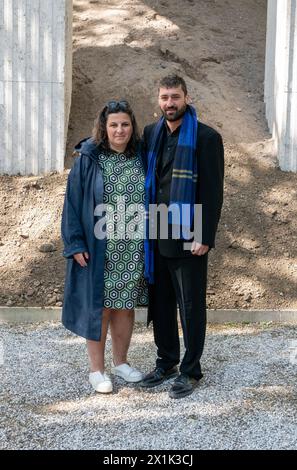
column 281, row 80
column 35, row 84
column 270, row 61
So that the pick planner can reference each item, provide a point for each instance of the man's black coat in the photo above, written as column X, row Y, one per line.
column 210, row 156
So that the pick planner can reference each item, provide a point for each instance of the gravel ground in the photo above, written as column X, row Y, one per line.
column 246, row 400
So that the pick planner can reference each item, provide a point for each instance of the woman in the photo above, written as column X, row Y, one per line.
column 104, row 276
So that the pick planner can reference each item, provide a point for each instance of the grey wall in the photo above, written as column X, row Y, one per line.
column 35, row 84
column 281, row 80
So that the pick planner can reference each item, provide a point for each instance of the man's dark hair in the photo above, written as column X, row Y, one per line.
column 173, row 81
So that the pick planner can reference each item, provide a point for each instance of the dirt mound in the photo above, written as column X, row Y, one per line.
column 121, row 49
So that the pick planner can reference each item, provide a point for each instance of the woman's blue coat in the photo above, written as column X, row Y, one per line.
column 84, row 287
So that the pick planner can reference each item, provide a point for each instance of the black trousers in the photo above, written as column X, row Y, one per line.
column 182, row 281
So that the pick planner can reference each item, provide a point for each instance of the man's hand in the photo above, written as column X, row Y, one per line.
column 198, row 250
column 81, row 258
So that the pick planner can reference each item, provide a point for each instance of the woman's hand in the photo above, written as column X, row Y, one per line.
column 81, row 259
column 199, row 250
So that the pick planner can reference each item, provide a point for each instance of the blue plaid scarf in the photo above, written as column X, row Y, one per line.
column 183, row 185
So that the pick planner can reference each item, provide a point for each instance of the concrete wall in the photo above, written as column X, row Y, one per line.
column 35, row 84
column 281, row 80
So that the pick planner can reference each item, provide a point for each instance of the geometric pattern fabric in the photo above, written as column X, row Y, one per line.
column 124, row 283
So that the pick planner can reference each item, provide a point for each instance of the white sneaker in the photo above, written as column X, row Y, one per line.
column 127, row 373
column 100, row 382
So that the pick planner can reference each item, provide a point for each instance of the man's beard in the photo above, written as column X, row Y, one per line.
column 176, row 116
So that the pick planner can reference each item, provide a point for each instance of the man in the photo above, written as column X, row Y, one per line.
column 185, row 167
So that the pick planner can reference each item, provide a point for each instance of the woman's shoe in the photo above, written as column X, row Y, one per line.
column 100, row 382
column 127, row 373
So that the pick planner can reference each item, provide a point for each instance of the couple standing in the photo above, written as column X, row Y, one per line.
column 180, row 161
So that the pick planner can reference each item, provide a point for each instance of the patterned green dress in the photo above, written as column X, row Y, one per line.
column 124, row 283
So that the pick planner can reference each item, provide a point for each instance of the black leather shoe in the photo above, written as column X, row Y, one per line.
column 182, row 386
column 158, row 376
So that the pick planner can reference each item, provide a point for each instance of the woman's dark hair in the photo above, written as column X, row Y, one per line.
column 99, row 132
